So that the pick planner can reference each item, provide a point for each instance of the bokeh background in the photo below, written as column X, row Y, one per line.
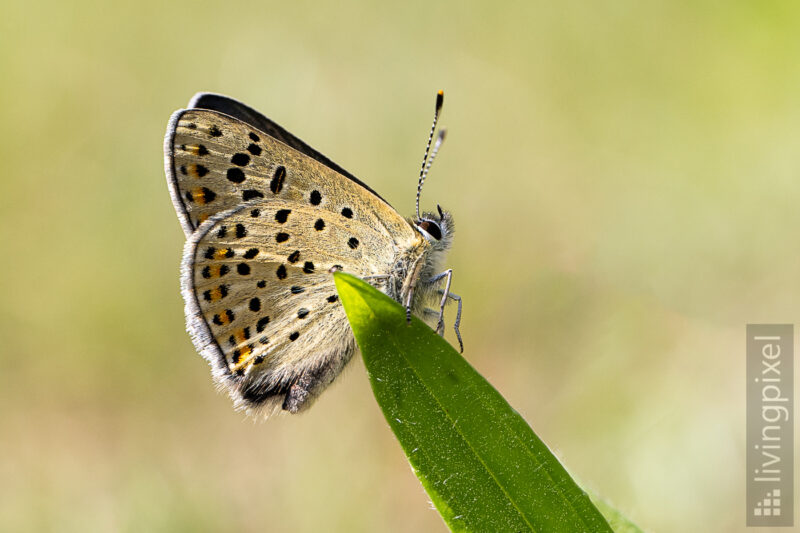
column 624, row 177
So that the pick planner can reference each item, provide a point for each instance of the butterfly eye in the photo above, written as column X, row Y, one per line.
column 431, row 228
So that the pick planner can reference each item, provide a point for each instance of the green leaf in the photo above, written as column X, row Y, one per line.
column 480, row 462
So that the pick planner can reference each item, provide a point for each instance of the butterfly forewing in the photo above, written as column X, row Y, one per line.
column 216, row 162
column 245, row 113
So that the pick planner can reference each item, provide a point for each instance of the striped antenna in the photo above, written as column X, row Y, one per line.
column 436, row 146
column 423, row 172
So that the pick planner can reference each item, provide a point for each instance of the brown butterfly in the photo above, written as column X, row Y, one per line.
column 267, row 220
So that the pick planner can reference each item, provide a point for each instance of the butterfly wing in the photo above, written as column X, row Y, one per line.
column 215, row 161
column 265, row 224
column 245, row 113
column 261, row 304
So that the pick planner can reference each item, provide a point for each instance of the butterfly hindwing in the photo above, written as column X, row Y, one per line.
column 261, row 301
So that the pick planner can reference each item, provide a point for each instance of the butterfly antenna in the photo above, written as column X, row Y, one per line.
column 436, row 145
column 425, row 165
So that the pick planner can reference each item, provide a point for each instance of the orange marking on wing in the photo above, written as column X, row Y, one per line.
column 199, row 196
column 244, row 359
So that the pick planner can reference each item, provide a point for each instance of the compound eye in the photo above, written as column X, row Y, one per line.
column 431, row 228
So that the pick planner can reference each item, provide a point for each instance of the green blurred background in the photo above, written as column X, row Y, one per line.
column 624, row 177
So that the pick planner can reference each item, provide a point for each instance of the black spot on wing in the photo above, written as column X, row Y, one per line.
column 240, row 159
column 235, row 175
column 251, row 194
column 276, row 184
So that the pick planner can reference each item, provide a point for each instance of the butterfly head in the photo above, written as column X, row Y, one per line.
column 436, row 229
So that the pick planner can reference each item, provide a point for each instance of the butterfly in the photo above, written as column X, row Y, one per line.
column 267, row 220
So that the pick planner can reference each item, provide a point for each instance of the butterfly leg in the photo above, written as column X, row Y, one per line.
column 377, row 277
column 445, row 295
column 412, row 285
column 433, row 312
column 456, row 298
column 428, row 312
column 449, row 275
column 437, row 277
column 407, row 303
